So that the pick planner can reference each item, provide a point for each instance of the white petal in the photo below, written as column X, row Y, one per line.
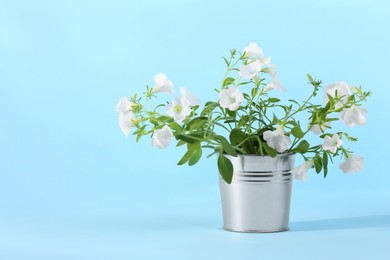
column 163, row 84
column 301, row 177
column 160, row 78
column 353, row 116
column 246, row 72
column 327, row 145
column 277, row 140
column 224, row 99
column 267, row 135
column 281, row 143
column 250, row 70
column 189, row 97
column 125, row 122
column 231, row 98
column 266, row 60
column 300, row 172
column 253, row 51
column 319, row 129
column 123, row 105
column 316, row 129
column 271, row 70
column 346, row 117
column 162, row 137
column 343, row 92
column 234, row 106
column 169, row 108
column 179, row 109
column 360, row 116
column 275, row 84
column 352, row 164
column 336, row 140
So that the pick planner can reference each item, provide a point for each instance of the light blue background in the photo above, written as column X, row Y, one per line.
column 72, row 186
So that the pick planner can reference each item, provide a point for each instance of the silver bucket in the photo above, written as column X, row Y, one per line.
column 258, row 199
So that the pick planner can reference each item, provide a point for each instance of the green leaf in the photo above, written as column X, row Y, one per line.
column 326, row 108
column 231, row 113
column 318, row 164
column 244, row 83
column 225, row 168
column 325, row 163
column 236, row 136
column 315, row 83
column 297, row 132
column 227, row 147
column 270, row 151
column 275, row 120
column 209, row 103
column 226, row 61
column 302, row 147
column 196, row 123
column 164, row 118
column 351, row 99
column 190, row 152
column 227, row 81
column 273, row 100
column 209, row 107
column 196, row 156
column 254, row 92
column 153, row 120
column 180, row 143
column 191, row 138
column 293, row 101
column 175, row 126
column 243, row 121
column 292, row 123
column 310, row 78
column 211, row 154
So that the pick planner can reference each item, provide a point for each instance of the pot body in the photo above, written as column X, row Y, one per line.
column 258, row 199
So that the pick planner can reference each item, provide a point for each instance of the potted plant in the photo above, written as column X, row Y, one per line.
column 254, row 134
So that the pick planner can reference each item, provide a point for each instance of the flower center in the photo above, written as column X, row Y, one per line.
column 177, row 108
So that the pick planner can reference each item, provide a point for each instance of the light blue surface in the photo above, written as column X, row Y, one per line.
column 72, row 187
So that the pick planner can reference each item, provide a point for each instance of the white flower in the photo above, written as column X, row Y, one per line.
column 190, row 98
column 162, row 137
column 231, row 98
column 124, row 105
column 277, row 140
column 353, row 116
column 254, row 52
column 126, row 122
column 331, row 144
column 342, row 90
column 251, row 70
column 179, row 109
column 319, row 128
column 275, row 82
column 352, row 164
column 301, row 171
column 163, row 84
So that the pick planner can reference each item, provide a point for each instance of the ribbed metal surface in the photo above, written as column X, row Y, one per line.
column 258, row 199
column 261, row 177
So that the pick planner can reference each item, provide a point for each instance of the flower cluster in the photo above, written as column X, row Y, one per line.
column 244, row 110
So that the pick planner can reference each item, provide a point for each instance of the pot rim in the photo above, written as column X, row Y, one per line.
column 263, row 156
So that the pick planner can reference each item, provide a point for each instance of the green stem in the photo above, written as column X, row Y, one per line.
column 300, row 108
column 260, row 146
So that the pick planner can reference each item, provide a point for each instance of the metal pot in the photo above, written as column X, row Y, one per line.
column 258, row 199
